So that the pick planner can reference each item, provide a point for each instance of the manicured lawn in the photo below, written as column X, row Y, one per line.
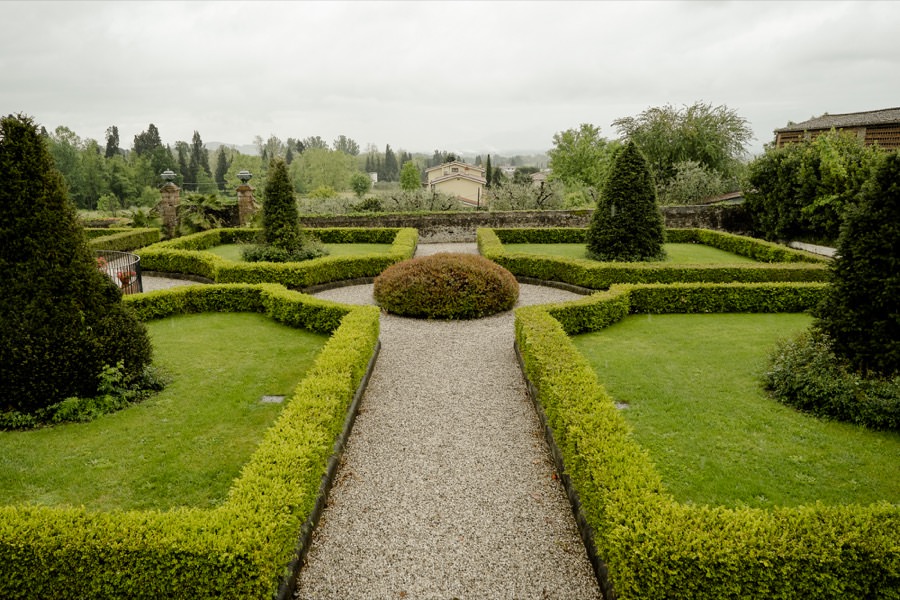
column 233, row 251
column 185, row 446
column 675, row 253
column 691, row 383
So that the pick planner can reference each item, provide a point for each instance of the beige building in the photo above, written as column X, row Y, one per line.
column 459, row 179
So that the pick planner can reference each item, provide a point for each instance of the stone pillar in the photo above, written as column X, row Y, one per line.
column 247, row 205
column 168, row 208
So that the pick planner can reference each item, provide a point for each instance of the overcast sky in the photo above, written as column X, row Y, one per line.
column 458, row 76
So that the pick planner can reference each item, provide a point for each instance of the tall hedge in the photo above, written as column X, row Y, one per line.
column 61, row 319
column 861, row 313
column 627, row 225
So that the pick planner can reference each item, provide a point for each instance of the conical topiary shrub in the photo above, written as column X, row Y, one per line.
column 627, row 224
column 861, row 311
column 61, row 319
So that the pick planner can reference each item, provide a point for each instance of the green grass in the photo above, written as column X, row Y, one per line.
column 233, row 251
column 691, row 383
column 675, row 253
column 183, row 447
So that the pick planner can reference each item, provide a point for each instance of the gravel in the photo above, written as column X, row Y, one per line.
column 446, row 488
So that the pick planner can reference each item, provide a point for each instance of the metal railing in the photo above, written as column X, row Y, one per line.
column 122, row 268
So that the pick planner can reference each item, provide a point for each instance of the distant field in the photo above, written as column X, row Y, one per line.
column 233, row 251
column 692, row 388
column 675, row 253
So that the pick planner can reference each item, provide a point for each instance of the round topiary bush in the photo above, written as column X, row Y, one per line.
column 446, row 286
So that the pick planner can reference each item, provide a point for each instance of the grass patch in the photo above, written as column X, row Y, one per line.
column 183, row 447
column 233, row 251
column 692, row 385
column 690, row 254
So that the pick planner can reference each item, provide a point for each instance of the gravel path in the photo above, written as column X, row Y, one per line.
column 446, row 488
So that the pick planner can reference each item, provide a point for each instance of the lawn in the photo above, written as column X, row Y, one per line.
column 692, row 390
column 183, row 447
column 675, row 253
column 233, row 251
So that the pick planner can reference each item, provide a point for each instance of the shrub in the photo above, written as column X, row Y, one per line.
column 446, row 286
column 861, row 312
column 61, row 320
column 627, row 224
column 805, row 373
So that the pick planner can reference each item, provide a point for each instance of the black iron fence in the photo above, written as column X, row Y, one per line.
column 122, row 268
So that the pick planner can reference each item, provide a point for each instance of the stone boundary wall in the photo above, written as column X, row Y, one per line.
column 461, row 226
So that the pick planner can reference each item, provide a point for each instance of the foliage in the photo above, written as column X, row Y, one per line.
column 318, row 167
column 805, row 373
column 446, row 286
column 650, row 544
column 627, row 224
column 582, row 156
column 861, row 313
column 525, row 196
column 410, row 179
column 714, row 136
column 346, row 145
column 237, row 550
column 123, row 240
column 691, row 183
column 370, row 204
column 199, row 212
column 61, row 320
column 360, row 183
column 802, row 190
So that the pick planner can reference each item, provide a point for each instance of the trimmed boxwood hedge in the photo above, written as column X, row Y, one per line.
column 240, row 549
column 655, row 547
column 121, row 239
column 780, row 264
column 185, row 255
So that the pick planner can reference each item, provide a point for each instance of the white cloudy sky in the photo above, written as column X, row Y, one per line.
column 460, row 76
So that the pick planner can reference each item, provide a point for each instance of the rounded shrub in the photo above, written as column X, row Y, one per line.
column 446, row 286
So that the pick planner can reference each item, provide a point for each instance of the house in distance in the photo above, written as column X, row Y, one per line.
column 459, row 179
column 874, row 126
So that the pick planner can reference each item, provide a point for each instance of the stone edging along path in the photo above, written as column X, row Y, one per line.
column 446, row 488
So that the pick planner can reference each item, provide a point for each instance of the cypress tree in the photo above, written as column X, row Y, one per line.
column 627, row 224
column 861, row 310
column 488, row 172
column 61, row 319
column 281, row 226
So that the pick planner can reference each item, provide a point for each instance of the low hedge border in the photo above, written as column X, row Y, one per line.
column 796, row 265
column 248, row 546
column 654, row 546
column 185, row 255
column 121, row 239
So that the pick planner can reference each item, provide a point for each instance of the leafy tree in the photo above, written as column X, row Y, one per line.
column 802, row 190
column 627, row 224
column 360, row 183
column 581, row 156
column 314, row 141
column 318, row 167
column 410, row 179
column 692, row 182
column 861, row 311
column 522, row 175
column 147, row 141
column 289, row 155
column 112, row 142
column 391, row 168
column 61, row 320
column 714, row 136
column 184, row 153
column 221, row 168
column 346, row 145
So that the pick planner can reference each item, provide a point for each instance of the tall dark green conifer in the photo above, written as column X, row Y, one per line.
column 627, row 224
column 488, row 171
column 861, row 311
column 222, row 168
column 61, row 319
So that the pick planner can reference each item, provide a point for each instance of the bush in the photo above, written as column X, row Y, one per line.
column 446, row 286
column 805, row 373
column 627, row 224
column 61, row 320
column 308, row 249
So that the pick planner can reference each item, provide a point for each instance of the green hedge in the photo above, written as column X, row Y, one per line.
column 121, row 239
column 185, row 255
column 655, row 547
column 601, row 275
column 240, row 549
